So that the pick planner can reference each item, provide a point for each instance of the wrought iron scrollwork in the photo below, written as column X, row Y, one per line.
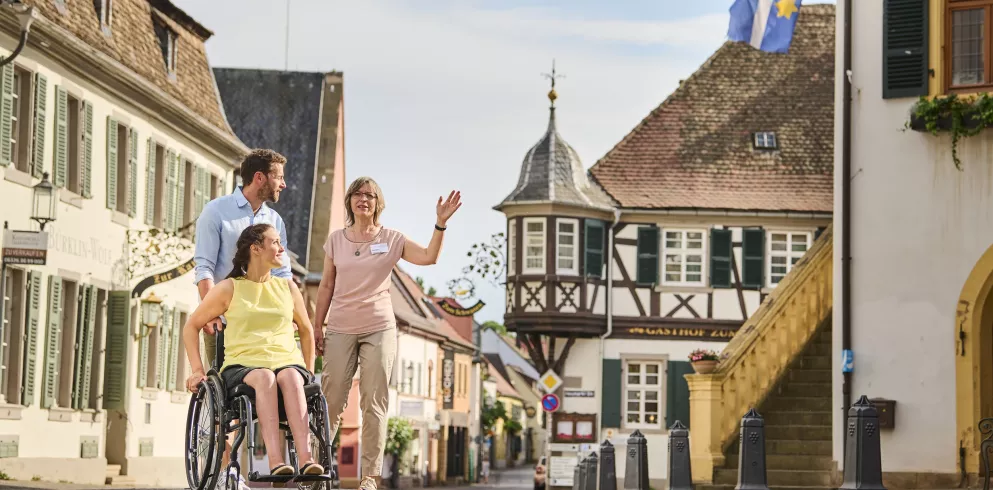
column 154, row 248
column 986, row 449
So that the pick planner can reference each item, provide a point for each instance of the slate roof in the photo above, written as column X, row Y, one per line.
column 695, row 150
column 133, row 43
column 553, row 172
column 282, row 111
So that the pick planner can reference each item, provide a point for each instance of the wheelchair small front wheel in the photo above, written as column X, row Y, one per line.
column 204, row 439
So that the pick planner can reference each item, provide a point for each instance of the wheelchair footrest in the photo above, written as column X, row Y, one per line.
column 311, row 478
column 256, row 477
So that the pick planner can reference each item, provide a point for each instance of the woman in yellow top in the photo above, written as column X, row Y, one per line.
column 259, row 345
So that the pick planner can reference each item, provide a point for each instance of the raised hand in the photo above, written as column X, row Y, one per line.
column 449, row 207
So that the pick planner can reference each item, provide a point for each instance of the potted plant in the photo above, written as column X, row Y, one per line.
column 399, row 434
column 704, row 361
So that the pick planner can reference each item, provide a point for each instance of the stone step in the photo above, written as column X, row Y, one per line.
column 120, row 480
column 791, row 447
column 813, row 362
column 113, row 470
column 799, row 403
column 810, row 376
column 789, row 462
column 818, row 348
column 796, row 417
column 796, row 388
column 798, row 432
column 791, row 477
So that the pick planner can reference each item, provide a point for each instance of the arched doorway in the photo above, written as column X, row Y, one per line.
column 974, row 357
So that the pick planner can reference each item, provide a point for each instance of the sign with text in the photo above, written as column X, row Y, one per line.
column 447, row 379
column 718, row 331
column 162, row 277
column 25, row 247
column 560, row 470
column 456, row 311
column 578, row 393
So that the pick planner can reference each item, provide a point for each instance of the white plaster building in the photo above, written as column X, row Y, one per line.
column 117, row 104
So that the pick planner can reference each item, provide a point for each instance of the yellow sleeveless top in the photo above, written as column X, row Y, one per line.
column 260, row 331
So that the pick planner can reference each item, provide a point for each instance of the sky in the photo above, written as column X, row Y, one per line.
column 449, row 94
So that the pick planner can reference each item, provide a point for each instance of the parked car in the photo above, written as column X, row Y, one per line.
column 539, row 474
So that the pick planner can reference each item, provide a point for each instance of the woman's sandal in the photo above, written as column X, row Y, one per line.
column 312, row 469
column 282, row 470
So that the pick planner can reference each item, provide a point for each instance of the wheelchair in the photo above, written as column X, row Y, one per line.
column 216, row 411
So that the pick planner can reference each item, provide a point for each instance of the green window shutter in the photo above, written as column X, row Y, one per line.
column 180, row 193
column 133, row 174
column 648, row 255
column 143, row 355
column 677, row 399
column 197, row 191
column 87, row 148
column 753, row 257
column 161, row 347
column 61, row 153
column 80, row 347
column 170, row 191
column 91, row 324
column 112, row 148
column 611, row 402
column 32, row 321
column 38, row 145
column 150, row 184
column 6, row 113
column 52, row 342
column 905, row 48
column 594, row 248
column 720, row 258
column 173, row 351
column 115, row 374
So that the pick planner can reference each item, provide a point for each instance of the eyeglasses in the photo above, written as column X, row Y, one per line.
column 368, row 195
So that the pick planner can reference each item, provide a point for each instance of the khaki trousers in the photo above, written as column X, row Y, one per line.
column 343, row 354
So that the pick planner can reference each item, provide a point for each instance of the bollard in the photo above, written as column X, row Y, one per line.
column 680, row 476
column 863, row 460
column 575, row 476
column 591, row 472
column 608, row 467
column 636, row 465
column 584, row 466
column 751, row 457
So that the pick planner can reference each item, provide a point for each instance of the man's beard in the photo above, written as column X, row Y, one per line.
column 267, row 194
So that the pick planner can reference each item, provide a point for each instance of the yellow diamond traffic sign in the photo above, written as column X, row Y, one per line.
column 550, row 381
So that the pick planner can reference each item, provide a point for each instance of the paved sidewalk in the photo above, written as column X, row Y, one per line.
column 46, row 485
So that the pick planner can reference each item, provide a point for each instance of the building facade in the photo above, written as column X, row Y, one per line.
column 671, row 241
column 115, row 104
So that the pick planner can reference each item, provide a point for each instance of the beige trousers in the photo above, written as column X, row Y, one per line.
column 375, row 352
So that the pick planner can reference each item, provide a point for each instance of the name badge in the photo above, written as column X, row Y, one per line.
column 379, row 248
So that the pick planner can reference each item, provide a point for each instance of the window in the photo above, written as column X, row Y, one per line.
column 968, row 41
column 567, row 254
column 765, row 140
column 16, row 288
column 120, row 175
column 512, row 247
column 167, row 42
column 74, row 171
column 643, row 395
column 105, row 11
column 155, row 185
column 188, row 193
column 534, row 245
column 683, row 254
column 785, row 249
column 22, row 119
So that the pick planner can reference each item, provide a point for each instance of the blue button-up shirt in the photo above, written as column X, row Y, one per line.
column 218, row 228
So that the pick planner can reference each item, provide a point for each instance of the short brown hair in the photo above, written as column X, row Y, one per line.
column 259, row 160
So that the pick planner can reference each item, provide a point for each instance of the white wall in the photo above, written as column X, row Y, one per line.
column 918, row 227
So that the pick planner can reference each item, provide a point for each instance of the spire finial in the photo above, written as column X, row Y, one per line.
column 551, row 93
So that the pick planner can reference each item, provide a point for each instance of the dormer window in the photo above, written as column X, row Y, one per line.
column 765, row 140
column 167, row 41
column 105, row 11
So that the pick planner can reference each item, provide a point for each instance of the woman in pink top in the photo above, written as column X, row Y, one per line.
column 361, row 328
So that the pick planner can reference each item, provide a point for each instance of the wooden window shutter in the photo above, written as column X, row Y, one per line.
column 133, row 173
column 611, row 402
column 905, row 48
column 593, row 264
column 112, row 149
column 115, row 377
column 87, row 148
column 6, row 113
column 38, row 143
column 32, row 322
column 80, row 347
column 677, row 398
column 161, row 342
column 720, row 258
column 61, row 153
column 180, row 193
column 150, row 184
column 753, row 258
column 197, row 190
column 52, row 342
column 170, row 191
column 177, row 328
column 648, row 255
column 91, row 323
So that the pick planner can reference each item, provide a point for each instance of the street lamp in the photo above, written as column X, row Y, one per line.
column 25, row 16
column 151, row 309
column 43, row 209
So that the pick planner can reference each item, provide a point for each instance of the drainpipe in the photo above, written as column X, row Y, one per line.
column 846, row 208
column 610, row 313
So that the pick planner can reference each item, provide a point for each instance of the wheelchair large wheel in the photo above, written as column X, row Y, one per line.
column 204, row 438
column 320, row 441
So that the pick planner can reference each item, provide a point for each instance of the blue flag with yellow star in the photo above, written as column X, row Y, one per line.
column 765, row 24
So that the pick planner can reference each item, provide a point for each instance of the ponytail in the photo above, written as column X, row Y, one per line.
column 253, row 235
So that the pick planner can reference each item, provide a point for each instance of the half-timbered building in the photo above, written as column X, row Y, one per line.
column 673, row 238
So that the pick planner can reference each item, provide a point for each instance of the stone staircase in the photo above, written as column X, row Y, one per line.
column 797, row 417
column 114, row 476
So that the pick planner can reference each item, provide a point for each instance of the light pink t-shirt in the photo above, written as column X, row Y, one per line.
column 360, row 303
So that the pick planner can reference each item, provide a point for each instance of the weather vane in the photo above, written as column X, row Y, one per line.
column 551, row 94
